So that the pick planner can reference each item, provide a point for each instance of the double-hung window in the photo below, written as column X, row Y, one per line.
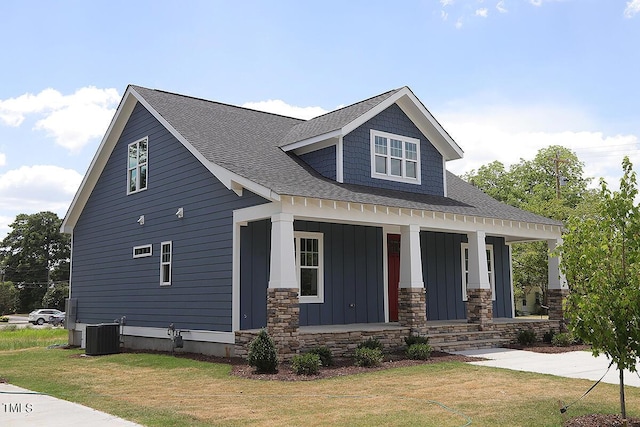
column 395, row 157
column 465, row 270
column 165, row 263
column 309, row 266
column 137, row 166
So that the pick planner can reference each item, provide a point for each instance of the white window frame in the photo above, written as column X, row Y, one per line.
column 298, row 235
column 145, row 251
column 164, row 263
column 138, row 166
column 388, row 157
column 464, row 247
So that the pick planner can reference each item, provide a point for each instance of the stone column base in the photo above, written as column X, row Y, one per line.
column 412, row 309
column 283, row 320
column 480, row 307
column 555, row 301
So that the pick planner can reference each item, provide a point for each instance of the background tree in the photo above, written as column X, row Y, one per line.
column 55, row 296
column 32, row 254
column 552, row 184
column 601, row 260
column 8, row 298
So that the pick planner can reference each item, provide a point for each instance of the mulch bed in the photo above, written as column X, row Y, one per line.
column 601, row 420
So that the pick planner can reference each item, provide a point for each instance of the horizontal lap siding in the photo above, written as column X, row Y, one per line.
column 353, row 275
column 110, row 283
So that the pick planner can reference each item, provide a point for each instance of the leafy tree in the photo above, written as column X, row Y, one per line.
column 33, row 253
column 601, row 260
column 8, row 298
column 552, row 185
column 55, row 296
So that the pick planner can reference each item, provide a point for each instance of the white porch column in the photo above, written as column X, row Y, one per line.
column 557, row 280
column 478, row 273
column 558, row 289
column 479, row 303
column 412, row 303
column 283, row 258
column 410, row 257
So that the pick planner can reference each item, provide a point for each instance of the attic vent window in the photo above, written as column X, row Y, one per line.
column 137, row 160
column 142, row 251
column 395, row 157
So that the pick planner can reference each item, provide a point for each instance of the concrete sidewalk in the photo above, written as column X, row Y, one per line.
column 22, row 408
column 572, row 364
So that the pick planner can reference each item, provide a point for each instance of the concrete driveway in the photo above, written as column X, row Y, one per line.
column 572, row 364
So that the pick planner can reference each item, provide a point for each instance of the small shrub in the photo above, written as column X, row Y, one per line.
column 548, row 337
column 324, row 352
column 415, row 339
column 527, row 337
column 371, row 343
column 419, row 351
column 4, row 319
column 563, row 339
column 368, row 357
column 306, row 364
column 262, row 353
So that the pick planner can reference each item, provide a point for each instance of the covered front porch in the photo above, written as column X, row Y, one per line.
column 350, row 297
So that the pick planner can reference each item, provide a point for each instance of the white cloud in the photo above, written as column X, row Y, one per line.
column 72, row 120
column 508, row 134
column 446, row 3
column 278, row 106
column 38, row 188
column 459, row 23
column 3, row 159
column 444, row 15
column 484, row 12
column 632, row 8
column 501, row 8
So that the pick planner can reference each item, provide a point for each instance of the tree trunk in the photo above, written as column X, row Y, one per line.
column 623, row 409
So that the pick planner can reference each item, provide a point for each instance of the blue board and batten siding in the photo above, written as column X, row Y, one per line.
column 442, row 274
column 109, row 283
column 357, row 154
column 353, row 275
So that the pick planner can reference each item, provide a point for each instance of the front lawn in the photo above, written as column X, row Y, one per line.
column 160, row 390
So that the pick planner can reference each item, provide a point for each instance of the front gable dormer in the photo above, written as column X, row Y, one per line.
column 388, row 141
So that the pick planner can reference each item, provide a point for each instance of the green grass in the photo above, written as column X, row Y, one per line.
column 160, row 390
column 12, row 338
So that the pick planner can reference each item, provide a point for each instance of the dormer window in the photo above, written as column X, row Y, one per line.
column 137, row 166
column 395, row 157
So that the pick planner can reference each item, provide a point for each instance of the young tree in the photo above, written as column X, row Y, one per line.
column 601, row 260
column 8, row 298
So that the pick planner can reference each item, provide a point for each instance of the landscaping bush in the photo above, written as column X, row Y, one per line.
column 368, row 357
column 548, row 337
column 324, row 352
column 306, row 364
column 4, row 319
column 527, row 337
column 419, row 351
column 563, row 339
column 415, row 339
column 262, row 353
column 372, row 343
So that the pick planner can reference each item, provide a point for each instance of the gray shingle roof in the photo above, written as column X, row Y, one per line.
column 246, row 142
column 333, row 120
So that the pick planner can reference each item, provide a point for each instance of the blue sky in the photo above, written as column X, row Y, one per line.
column 505, row 78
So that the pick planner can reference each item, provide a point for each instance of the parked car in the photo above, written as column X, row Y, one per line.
column 58, row 319
column 42, row 315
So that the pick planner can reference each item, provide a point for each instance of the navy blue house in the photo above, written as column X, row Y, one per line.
column 222, row 219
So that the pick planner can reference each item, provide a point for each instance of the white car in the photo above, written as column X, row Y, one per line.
column 42, row 315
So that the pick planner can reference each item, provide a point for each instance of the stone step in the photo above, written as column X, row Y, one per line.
column 449, row 347
column 462, row 336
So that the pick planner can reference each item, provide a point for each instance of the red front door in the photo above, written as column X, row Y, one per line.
column 393, row 266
